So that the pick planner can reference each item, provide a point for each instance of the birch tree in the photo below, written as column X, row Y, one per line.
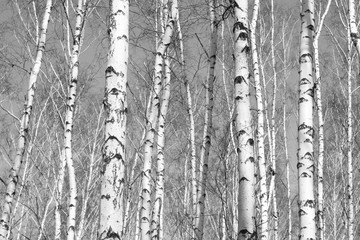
column 24, row 127
column 115, row 105
column 243, row 124
column 69, row 115
column 320, row 191
column 305, row 164
column 260, row 128
column 206, row 140
column 145, row 218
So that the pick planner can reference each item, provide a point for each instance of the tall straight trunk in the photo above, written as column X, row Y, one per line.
column 243, row 124
column 24, row 128
column 320, row 191
column 305, row 128
column 115, row 105
column 260, row 128
column 145, row 218
column 350, row 184
column 206, row 141
column 157, row 223
column 69, row 115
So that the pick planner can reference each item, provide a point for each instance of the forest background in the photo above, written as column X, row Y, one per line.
column 35, row 204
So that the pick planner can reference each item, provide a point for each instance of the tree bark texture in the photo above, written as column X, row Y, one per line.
column 243, row 124
column 115, row 105
column 305, row 164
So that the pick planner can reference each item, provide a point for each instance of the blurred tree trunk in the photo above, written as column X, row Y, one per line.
column 305, row 128
column 24, row 128
column 243, row 124
column 115, row 105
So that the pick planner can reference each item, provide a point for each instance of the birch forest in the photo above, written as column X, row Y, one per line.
column 179, row 120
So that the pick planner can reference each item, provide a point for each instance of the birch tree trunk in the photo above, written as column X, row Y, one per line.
column 70, row 108
column 145, row 218
column 350, row 184
column 157, row 221
column 260, row 128
column 320, row 191
column 206, row 141
column 305, row 128
column 24, row 128
column 244, row 131
column 115, row 105
column 59, row 192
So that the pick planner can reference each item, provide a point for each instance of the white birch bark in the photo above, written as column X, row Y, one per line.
column 145, row 218
column 320, row 191
column 263, row 234
column 243, row 124
column 157, row 224
column 58, row 197
column 115, row 105
column 355, row 40
column 206, row 141
column 69, row 115
column 24, row 128
column 350, row 184
column 273, row 132
column 353, row 26
column 305, row 164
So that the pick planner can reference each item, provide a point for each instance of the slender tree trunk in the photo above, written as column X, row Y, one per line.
column 145, row 218
column 24, row 128
column 260, row 128
column 115, row 105
column 350, row 185
column 70, row 108
column 320, row 191
column 206, row 142
column 305, row 128
column 355, row 39
column 59, row 192
column 243, row 123
column 157, row 224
